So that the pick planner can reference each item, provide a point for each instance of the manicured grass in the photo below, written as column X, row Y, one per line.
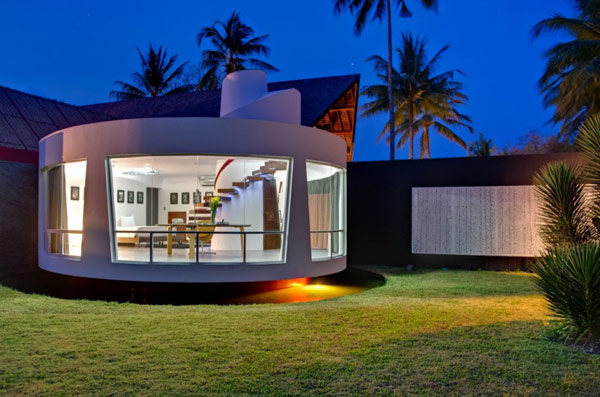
column 437, row 332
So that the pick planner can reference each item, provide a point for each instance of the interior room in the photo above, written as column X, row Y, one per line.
column 168, row 199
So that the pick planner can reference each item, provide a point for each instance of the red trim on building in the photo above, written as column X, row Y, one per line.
column 18, row 155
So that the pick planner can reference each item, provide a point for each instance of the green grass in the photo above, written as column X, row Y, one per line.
column 438, row 332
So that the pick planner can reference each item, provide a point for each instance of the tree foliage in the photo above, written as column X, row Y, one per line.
column 423, row 100
column 235, row 48
column 159, row 76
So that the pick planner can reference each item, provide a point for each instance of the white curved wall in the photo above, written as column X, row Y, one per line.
column 95, row 142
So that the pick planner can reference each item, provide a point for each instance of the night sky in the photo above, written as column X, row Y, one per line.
column 74, row 50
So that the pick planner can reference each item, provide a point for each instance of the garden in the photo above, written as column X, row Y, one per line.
column 429, row 331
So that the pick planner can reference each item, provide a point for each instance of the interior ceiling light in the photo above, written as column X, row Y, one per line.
column 140, row 171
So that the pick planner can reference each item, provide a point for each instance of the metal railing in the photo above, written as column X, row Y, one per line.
column 61, row 240
column 330, row 242
column 243, row 236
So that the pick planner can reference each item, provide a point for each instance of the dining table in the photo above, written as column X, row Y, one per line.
column 193, row 226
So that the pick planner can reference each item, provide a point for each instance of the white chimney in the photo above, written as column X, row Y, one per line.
column 244, row 95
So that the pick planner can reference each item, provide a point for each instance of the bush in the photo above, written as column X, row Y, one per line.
column 569, row 278
column 563, row 211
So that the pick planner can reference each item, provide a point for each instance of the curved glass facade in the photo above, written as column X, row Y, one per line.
column 327, row 210
column 64, row 187
column 198, row 208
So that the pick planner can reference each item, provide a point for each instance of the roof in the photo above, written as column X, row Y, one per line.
column 318, row 94
column 26, row 118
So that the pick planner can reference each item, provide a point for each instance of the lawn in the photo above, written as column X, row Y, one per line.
column 430, row 332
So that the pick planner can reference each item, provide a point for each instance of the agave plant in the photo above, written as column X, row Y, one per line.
column 564, row 215
column 569, row 278
column 588, row 142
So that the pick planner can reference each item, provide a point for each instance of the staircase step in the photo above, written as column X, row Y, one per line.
column 207, row 205
column 200, row 210
column 276, row 165
column 241, row 185
column 228, row 191
column 198, row 218
column 225, row 198
column 255, row 178
column 263, row 171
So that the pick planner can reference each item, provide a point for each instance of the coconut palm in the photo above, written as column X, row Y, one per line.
column 234, row 45
column 365, row 10
column 159, row 76
column 421, row 99
column 571, row 80
column 482, row 147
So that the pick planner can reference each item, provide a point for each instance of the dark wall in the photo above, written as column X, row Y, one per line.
column 380, row 202
column 18, row 217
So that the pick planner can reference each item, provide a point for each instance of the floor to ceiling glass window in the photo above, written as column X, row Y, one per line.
column 198, row 208
column 65, row 195
column 327, row 209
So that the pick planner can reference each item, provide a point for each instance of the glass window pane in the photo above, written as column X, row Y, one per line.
column 220, row 199
column 326, row 206
column 65, row 197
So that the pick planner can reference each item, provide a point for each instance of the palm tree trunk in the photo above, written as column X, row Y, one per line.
column 411, row 137
column 389, row 83
column 426, row 137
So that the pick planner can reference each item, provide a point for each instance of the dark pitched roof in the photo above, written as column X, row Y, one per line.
column 318, row 95
column 26, row 118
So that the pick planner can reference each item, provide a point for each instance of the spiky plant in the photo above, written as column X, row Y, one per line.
column 564, row 216
column 588, row 142
column 569, row 278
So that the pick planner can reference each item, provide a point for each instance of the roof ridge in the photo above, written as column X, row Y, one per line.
column 37, row 96
column 355, row 75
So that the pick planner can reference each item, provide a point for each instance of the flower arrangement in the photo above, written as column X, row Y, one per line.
column 214, row 204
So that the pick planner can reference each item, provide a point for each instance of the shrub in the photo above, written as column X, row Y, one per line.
column 569, row 278
column 564, row 215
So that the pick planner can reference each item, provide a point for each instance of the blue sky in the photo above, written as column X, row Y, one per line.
column 74, row 50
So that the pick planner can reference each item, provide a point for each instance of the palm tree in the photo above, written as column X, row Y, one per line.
column 421, row 99
column 159, row 76
column 571, row 80
column 364, row 10
column 481, row 147
column 234, row 45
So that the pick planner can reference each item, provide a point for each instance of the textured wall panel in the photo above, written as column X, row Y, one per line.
column 486, row 221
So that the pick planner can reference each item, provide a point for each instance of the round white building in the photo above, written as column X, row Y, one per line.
column 250, row 196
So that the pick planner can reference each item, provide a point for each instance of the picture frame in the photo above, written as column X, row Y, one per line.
column 174, row 198
column 140, row 197
column 197, row 196
column 208, row 194
column 120, row 196
column 185, row 198
column 75, row 193
column 130, row 197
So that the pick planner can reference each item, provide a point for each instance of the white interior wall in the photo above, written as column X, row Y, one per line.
column 245, row 208
column 176, row 184
column 75, row 176
column 136, row 184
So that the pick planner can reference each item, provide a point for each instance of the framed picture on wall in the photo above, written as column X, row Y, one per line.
column 208, row 194
column 120, row 196
column 197, row 196
column 174, row 198
column 130, row 197
column 75, row 193
column 185, row 198
column 140, row 197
